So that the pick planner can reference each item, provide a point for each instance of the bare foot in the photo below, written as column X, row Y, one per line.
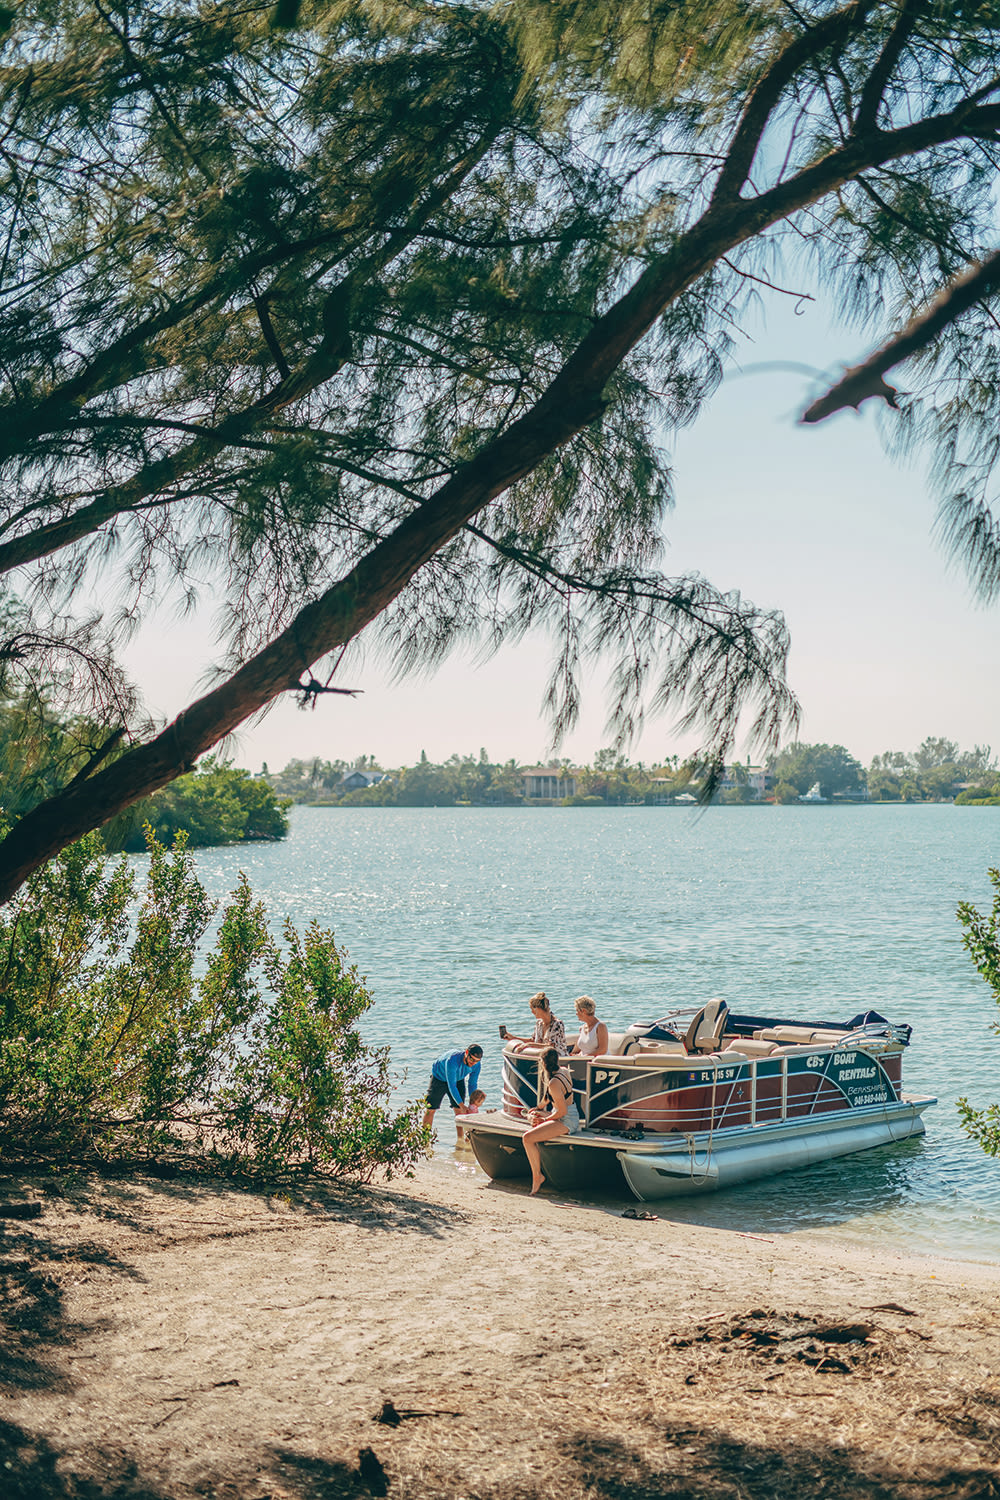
column 535, row 1186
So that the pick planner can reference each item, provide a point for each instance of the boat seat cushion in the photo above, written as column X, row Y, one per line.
column 796, row 1035
column 751, row 1047
column 621, row 1043
column 784, row 1034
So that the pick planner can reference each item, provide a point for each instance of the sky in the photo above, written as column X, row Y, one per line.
column 888, row 643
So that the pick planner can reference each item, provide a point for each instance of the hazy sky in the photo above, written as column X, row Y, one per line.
column 888, row 645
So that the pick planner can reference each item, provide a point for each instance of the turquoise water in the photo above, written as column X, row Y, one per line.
column 457, row 915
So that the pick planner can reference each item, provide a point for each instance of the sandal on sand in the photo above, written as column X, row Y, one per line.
column 634, row 1213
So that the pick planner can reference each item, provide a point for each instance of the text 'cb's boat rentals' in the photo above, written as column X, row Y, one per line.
column 700, row 1101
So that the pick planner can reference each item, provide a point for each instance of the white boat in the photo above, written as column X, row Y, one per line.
column 814, row 794
column 696, row 1102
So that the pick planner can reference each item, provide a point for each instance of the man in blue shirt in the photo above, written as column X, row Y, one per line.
column 453, row 1074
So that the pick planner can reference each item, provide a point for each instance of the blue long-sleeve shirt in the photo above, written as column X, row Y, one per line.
column 453, row 1070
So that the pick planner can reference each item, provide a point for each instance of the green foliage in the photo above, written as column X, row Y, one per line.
column 216, row 804
column 981, row 939
column 308, row 1074
column 41, row 750
column 931, row 773
column 832, row 766
column 112, row 1041
column 32, row 743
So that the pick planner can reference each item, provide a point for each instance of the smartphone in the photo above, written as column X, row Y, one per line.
column 503, row 1032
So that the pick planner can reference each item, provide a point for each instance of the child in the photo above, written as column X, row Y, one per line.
column 476, row 1098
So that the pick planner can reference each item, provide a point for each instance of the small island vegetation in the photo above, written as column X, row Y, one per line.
column 217, row 803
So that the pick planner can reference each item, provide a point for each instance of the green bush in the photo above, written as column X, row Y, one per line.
column 215, row 804
column 980, row 796
column 982, row 940
column 111, row 1041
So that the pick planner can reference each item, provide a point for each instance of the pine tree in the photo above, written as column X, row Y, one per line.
column 376, row 319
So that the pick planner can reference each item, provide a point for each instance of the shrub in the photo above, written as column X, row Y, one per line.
column 982, row 940
column 979, row 796
column 112, row 1042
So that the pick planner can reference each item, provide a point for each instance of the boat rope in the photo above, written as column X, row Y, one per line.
column 692, row 1148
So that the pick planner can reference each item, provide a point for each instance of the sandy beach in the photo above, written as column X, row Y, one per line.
column 180, row 1338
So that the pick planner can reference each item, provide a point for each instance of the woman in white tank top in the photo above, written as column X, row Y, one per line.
column 593, row 1038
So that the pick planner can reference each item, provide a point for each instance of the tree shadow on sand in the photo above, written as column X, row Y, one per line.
column 41, row 1347
column 698, row 1468
column 33, row 1321
column 129, row 1193
column 705, row 1467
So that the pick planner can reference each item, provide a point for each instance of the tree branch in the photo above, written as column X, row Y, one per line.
column 978, row 282
column 320, row 365
column 877, row 80
column 768, row 91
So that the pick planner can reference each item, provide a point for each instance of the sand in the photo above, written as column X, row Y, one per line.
column 184, row 1338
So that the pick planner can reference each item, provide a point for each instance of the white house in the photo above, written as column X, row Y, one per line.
column 547, row 783
column 758, row 779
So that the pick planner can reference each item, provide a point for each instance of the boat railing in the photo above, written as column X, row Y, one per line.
column 731, row 1079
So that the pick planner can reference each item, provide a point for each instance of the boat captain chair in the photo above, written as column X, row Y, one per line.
column 706, row 1028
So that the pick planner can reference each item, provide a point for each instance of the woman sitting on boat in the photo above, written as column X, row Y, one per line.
column 549, row 1030
column 561, row 1116
column 593, row 1038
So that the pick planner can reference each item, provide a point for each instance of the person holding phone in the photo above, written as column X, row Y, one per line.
column 549, row 1030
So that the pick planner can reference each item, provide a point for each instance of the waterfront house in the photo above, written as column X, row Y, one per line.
column 547, row 783
column 758, row 780
column 357, row 781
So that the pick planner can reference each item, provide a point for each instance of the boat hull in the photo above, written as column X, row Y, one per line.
column 704, row 1165
column 653, row 1169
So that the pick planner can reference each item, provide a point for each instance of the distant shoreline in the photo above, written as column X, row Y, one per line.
column 543, row 805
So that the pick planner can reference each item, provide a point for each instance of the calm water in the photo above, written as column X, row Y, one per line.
column 457, row 915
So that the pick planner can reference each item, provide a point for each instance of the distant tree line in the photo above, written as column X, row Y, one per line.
column 462, row 779
column 936, row 771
